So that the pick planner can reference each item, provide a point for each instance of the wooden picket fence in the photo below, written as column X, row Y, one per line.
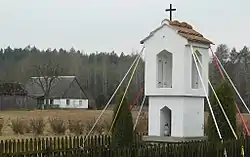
column 100, row 146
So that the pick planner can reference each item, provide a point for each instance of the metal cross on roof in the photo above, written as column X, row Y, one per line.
column 170, row 10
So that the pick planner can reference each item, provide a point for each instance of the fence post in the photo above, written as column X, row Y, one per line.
column 99, row 145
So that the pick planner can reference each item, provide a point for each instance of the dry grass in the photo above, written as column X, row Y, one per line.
column 1, row 125
column 142, row 124
column 78, row 119
column 87, row 117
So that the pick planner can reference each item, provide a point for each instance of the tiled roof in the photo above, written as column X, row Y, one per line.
column 59, row 88
column 187, row 31
column 183, row 29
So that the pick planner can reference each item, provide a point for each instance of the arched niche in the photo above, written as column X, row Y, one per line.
column 164, row 69
column 165, row 121
column 195, row 79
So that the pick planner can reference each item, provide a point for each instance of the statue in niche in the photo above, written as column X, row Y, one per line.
column 166, row 130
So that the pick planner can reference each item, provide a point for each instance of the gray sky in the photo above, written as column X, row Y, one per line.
column 106, row 25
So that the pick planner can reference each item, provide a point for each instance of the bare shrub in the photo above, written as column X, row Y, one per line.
column 99, row 128
column 19, row 126
column 106, row 125
column 58, row 125
column 27, row 128
column 76, row 127
column 1, row 125
column 89, row 124
column 37, row 125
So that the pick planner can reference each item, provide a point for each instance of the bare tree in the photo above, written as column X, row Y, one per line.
column 47, row 74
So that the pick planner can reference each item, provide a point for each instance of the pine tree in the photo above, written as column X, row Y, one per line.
column 227, row 98
column 122, row 132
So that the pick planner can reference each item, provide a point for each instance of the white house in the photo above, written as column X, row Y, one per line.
column 65, row 91
column 172, row 84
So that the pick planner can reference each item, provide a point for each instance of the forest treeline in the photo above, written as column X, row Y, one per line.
column 99, row 73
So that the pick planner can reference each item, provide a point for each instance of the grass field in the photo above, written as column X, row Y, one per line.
column 85, row 115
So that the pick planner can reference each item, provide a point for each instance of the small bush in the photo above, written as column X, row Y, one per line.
column 88, row 125
column 76, row 127
column 1, row 125
column 27, row 127
column 37, row 125
column 107, row 125
column 99, row 128
column 58, row 125
column 19, row 126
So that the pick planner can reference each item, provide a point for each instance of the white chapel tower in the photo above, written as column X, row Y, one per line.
column 172, row 83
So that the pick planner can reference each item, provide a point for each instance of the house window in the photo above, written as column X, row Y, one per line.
column 51, row 101
column 196, row 81
column 67, row 102
column 164, row 69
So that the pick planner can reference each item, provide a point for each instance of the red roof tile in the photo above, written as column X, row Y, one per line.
column 187, row 31
column 183, row 29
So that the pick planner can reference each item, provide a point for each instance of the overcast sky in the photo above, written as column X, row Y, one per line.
column 106, row 25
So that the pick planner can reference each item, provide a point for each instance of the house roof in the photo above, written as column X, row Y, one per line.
column 59, row 87
column 183, row 29
column 12, row 89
